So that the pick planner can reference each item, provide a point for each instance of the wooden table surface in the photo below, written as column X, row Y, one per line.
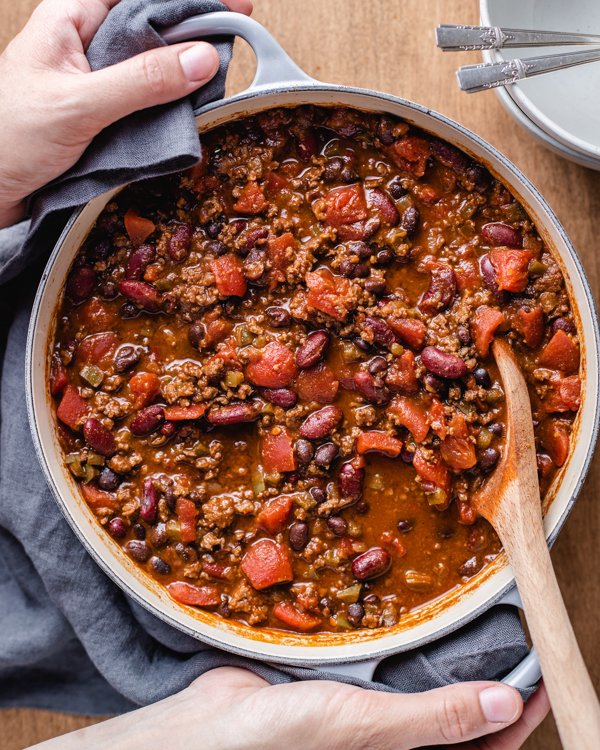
column 388, row 45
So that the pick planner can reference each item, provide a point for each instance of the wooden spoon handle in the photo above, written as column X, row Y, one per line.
column 574, row 701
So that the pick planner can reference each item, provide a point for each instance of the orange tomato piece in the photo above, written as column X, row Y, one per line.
column 252, row 200
column 411, row 332
column 72, row 408
column 182, row 413
column 328, row 293
column 277, row 451
column 564, row 394
column 187, row 514
column 144, row 388
column 281, row 253
column 97, row 498
column 511, row 268
column 345, row 205
column 530, row 324
column 554, row 437
column 275, row 514
column 318, row 383
column 272, row 367
column 402, row 374
column 411, row 153
column 560, row 353
column 437, row 418
column 467, row 275
column 194, row 596
column 411, row 415
column 297, row 620
column 229, row 277
column 138, row 228
column 456, row 449
column 378, row 442
column 483, row 326
column 267, row 563
column 434, row 471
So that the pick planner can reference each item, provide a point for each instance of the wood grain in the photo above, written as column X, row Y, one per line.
column 388, row 45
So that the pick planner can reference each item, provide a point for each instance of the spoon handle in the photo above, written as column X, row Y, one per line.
column 452, row 37
column 572, row 695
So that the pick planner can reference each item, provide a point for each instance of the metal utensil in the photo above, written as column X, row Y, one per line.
column 473, row 78
column 452, row 37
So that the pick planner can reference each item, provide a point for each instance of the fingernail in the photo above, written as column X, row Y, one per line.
column 500, row 704
column 198, row 62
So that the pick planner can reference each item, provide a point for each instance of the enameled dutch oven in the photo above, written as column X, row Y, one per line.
column 279, row 82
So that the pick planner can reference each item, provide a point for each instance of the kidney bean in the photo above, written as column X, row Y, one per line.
column 108, row 480
column 350, row 481
column 501, row 235
column 80, row 284
column 376, row 286
column 159, row 566
column 307, row 143
column 410, row 220
column 168, row 429
column 337, row 525
column 488, row 273
column 563, row 324
column 117, row 528
column 254, row 265
column 139, row 550
column 179, row 243
column 59, row 379
column 381, row 203
column 441, row 290
column 318, row 494
column 325, row 454
column 312, row 350
column 284, row 397
column 98, row 437
column 149, row 504
column 371, row 564
column 442, row 363
column 482, row 377
column 404, row 526
column 382, row 333
column 234, row 413
column 377, row 365
column 138, row 260
column 253, row 237
column 450, row 157
column 304, row 451
column 355, row 613
column 373, row 389
column 141, row 294
column 278, row 317
column 298, row 536
column 127, row 356
column 321, row 423
column 488, row 459
column 359, row 230
column 147, row 420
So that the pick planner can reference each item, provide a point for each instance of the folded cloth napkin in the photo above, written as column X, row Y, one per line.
column 69, row 638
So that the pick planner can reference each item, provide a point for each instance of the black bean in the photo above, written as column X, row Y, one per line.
column 108, row 480
column 127, row 356
column 376, row 286
column 298, row 536
column 108, row 290
column 377, row 365
column 325, row 454
column 337, row 525
column 216, row 247
column 488, row 459
column 139, row 531
column 469, row 567
column 160, row 566
column 495, row 428
column 158, row 535
column 434, row 384
column 139, row 550
column 482, row 377
column 117, row 528
column 304, row 451
column 196, row 334
column 361, row 344
column 318, row 494
column 278, row 317
column 464, row 335
column 396, row 189
column 404, row 526
column 407, row 456
column 384, row 256
column 355, row 613
column 362, row 507
column 360, row 248
column 410, row 220
column 563, row 324
column 333, row 169
column 213, row 228
column 129, row 310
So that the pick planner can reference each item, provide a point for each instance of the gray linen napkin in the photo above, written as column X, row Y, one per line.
column 69, row 638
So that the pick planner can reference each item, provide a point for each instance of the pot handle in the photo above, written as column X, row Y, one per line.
column 523, row 677
column 273, row 65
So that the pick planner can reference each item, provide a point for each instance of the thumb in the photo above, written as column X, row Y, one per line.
column 447, row 715
column 154, row 77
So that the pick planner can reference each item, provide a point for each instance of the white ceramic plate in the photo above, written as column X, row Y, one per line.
column 565, row 104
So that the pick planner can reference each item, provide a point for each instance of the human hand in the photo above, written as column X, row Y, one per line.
column 233, row 709
column 54, row 105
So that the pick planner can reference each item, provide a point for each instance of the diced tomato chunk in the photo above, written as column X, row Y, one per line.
column 411, row 415
column 435, row 471
column 97, row 348
column 229, row 277
column 216, row 331
column 277, row 451
column 411, row 332
column 466, row 514
column 144, row 388
column 187, row 514
column 467, row 274
column 276, row 182
column 59, row 379
column 95, row 316
column 483, row 326
column 560, row 353
column 252, row 200
column 72, row 408
column 215, row 570
column 402, row 374
column 411, row 153
column 272, row 367
column 97, row 498
column 138, row 228
column 554, row 437
column 437, row 418
column 530, row 324
column 511, row 268
column 457, row 450
column 281, row 252
column 297, row 620
column 378, row 442
column 183, row 413
column 275, row 514
column 345, row 205
column 564, row 394
column 194, row 596
column 318, row 383
column 328, row 293
column 267, row 563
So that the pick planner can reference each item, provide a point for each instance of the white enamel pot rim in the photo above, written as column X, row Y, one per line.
column 279, row 82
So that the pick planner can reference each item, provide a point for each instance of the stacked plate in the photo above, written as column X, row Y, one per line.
column 561, row 109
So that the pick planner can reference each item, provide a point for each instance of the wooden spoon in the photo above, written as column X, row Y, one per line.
column 510, row 501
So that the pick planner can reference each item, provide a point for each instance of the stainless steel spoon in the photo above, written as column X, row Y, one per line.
column 452, row 37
